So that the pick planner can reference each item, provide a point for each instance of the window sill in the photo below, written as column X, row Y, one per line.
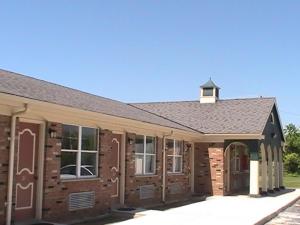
column 175, row 174
column 80, row 179
column 241, row 172
column 146, row 175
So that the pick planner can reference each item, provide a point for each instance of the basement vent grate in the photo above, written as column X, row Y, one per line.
column 147, row 191
column 82, row 200
column 175, row 188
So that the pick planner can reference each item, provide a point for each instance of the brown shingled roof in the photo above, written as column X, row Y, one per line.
column 28, row 87
column 236, row 116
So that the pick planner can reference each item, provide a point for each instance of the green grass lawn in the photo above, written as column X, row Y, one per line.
column 291, row 181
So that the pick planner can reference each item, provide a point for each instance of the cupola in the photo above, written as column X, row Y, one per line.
column 209, row 92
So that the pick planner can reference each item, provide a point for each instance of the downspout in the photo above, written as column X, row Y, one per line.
column 164, row 166
column 11, row 162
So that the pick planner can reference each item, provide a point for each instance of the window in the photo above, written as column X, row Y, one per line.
column 237, row 162
column 79, row 153
column 272, row 118
column 145, row 155
column 240, row 159
column 175, row 153
column 208, row 92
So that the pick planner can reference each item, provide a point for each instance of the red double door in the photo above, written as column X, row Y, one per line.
column 26, row 171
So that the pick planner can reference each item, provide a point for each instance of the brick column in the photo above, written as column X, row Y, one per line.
column 4, row 158
column 209, row 168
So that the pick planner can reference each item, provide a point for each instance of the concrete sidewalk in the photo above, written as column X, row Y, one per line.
column 231, row 210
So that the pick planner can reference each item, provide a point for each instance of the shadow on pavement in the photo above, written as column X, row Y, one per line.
column 113, row 218
column 168, row 206
column 281, row 192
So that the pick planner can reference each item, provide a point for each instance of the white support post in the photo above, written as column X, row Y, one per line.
column 254, row 178
column 276, row 169
column 264, row 176
column 264, row 169
column 270, row 170
column 280, row 169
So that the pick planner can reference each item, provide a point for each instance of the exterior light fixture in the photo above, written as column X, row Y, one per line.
column 52, row 133
column 130, row 141
column 188, row 147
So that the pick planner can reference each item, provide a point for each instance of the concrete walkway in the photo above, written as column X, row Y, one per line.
column 231, row 210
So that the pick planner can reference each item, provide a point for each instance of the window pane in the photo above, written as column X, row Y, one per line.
column 88, row 164
column 178, row 164
column 208, row 92
column 150, row 162
column 139, row 144
column 70, row 137
column 170, row 143
column 89, row 139
column 68, row 165
column 170, row 164
column 150, row 145
column 178, row 148
column 139, row 164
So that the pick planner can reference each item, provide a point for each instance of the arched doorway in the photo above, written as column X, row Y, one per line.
column 237, row 168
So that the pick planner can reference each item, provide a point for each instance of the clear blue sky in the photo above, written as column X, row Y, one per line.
column 137, row 51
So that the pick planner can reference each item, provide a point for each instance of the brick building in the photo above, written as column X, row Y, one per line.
column 66, row 154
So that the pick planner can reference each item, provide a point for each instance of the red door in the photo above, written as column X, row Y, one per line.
column 115, row 169
column 26, row 171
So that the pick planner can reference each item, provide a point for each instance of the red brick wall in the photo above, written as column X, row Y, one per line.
column 183, row 180
column 56, row 191
column 4, row 159
column 133, row 182
column 209, row 168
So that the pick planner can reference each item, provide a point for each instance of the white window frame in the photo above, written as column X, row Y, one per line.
column 79, row 151
column 174, row 156
column 145, row 154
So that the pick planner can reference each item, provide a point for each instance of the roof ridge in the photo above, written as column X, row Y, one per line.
column 60, row 85
column 221, row 100
column 135, row 103
column 251, row 98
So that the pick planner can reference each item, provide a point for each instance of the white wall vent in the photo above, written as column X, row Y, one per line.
column 82, row 200
column 147, row 191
